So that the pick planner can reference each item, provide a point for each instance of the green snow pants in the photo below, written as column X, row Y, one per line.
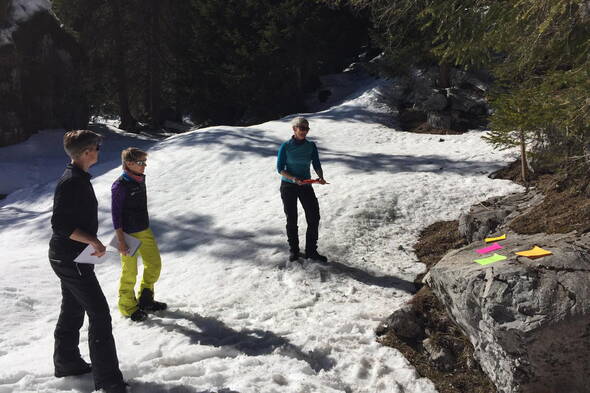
column 152, row 264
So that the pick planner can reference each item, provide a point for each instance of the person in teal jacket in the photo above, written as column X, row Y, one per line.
column 293, row 162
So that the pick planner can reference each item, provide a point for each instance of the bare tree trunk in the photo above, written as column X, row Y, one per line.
column 3, row 10
column 444, row 76
column 127, row 120
column 154, row 66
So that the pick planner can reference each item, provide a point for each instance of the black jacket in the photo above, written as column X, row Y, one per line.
column 74, row 206
column 133, row 212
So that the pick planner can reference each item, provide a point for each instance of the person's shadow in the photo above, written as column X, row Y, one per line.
column 334, row 267
column 252, row 342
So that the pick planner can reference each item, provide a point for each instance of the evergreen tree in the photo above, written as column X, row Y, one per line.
column 543, row 78
column 537, row 49
column 233, row 62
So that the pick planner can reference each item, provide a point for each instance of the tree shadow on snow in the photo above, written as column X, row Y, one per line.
column 247, row 142
column 154, row 387
column 12, row 217
column 112, row 145
column 251, row 342
column 344, row 110
column 378, row 162
column 356, row 114
column 238, row 142
column 191, row 231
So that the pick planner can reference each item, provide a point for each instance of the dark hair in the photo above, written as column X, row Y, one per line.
column 78, row 141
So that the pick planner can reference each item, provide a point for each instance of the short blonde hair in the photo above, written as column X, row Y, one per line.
column 300, row 121
column 132, row 154
column 78, row 141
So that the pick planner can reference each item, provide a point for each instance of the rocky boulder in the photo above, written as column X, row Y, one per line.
column 421, row 103
column 40, row 82
column 495, row 214
column 528, row 319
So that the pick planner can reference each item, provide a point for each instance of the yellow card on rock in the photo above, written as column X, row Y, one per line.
column 535, row 252
column 494, row 239
column 492, row 259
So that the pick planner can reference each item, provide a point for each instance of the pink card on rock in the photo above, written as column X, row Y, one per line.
column 491, row 248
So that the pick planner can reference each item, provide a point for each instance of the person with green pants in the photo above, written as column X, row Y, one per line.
column 130, row 215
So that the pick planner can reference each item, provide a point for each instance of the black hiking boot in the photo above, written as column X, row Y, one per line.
column 80, row 369
column 315, row 256
column 147, row 302
column 138, row 316
column 119, row 387
column 293, row 255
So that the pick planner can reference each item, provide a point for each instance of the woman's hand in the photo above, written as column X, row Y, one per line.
column 123, row 249
column 322, row 181
column 99, row 248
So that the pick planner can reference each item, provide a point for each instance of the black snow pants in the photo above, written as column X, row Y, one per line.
column 81, row 293
column 290, row 193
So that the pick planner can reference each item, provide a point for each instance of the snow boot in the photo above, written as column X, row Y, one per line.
column 315, row 256
column 147, row 302
column 138, row 316
column 293, row 255
column 120, row 387
column 80, row 369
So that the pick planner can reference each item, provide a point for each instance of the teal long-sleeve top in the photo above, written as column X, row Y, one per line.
column 295, row 156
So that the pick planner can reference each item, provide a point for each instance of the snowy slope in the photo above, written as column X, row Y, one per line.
column 241, row 318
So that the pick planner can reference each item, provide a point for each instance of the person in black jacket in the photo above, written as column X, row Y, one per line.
column 75, row 225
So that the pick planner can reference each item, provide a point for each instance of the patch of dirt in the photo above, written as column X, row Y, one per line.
column 511, row 172
column 560, row 212
column 434, row 242
column 425, row 128
column 566, row 206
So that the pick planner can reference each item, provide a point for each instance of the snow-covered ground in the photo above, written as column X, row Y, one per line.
column 240, row 318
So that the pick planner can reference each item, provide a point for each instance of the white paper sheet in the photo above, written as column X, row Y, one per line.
column 85, row 256
column 132, row 243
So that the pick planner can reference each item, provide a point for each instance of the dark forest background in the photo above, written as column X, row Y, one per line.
column 231, row 62
column 242, row 62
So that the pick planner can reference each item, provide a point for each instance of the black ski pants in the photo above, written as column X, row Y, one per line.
column 81, row 293
column 290, row 193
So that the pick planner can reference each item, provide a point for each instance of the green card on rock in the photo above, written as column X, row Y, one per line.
column 491, row 259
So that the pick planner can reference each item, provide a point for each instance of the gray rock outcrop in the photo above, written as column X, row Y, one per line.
column 461, row 106
column 528, row 319
column 404, row 322
column 40, row 83
column 495, row 214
